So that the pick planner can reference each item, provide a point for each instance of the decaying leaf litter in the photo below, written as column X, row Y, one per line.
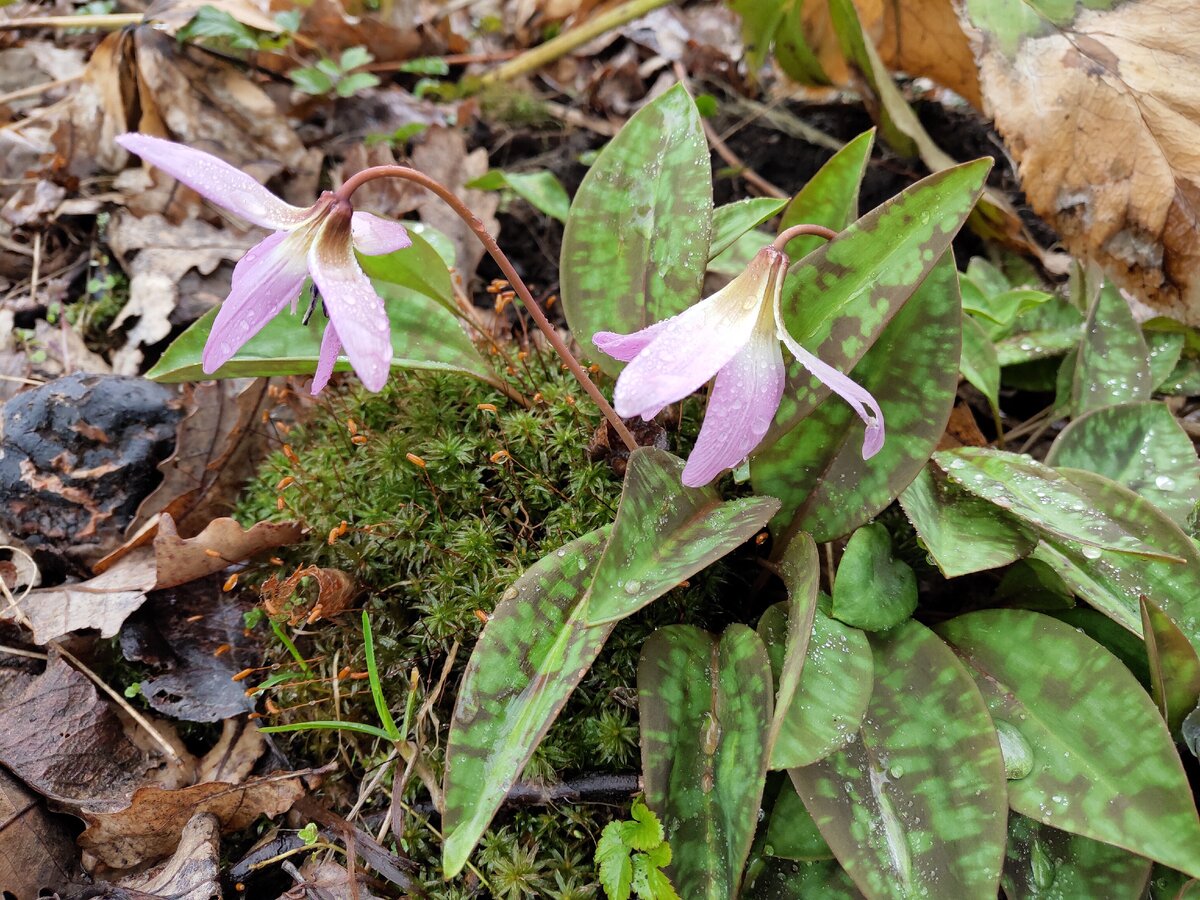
column 184, row 563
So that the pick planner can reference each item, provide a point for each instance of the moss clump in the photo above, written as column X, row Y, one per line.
column 448, row 492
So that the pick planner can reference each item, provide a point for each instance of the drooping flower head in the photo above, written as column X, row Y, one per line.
column 734, row 335
column 319, row 241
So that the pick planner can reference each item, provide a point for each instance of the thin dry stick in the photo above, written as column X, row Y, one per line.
column 751, row 177
column 464, row 212
column 38, row 89
column 109, row 22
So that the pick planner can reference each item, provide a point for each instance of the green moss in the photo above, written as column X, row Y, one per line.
column 435, row 546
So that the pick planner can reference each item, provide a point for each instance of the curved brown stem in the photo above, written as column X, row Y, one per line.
column 796, row 231
column 464, row 212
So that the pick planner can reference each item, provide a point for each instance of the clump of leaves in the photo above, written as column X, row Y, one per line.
column 336, row 76
column 631, row 856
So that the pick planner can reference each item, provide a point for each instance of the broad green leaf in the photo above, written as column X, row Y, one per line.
column 1113, row 582
column 637, row 238
column 436, row 239
column 1045, row 863
column 791, row 831
column 817, row 469
column 830, row 197
column 873, row 590
column 542, row 190
column 1165, row 349
column 1104, row 765
column 1167, row 884
column 705, row 707
column 733, row 220
column 1032, row 584
column 801, row 573
column 1139, row 445
column 1041, row 497
column 990, row 279
column 916, row 807
column 424, row 336
column 664, row 533
column 613, row 867
column 1113, row 364
column 835, row 685
column 1184, row 380
column 789, row 880
column 1174, row 666
column 839, row 298
column 963, row 533
column 979, row 363
column 644, row 832
column 1049, row 330
column 1105, row 631
column 419, row 267
column 760, row 20
column 1003, row 308
column 542, row 637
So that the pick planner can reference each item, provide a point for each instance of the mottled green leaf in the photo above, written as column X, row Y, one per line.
column 916, row 807
column 1166, row 348
column 987, row 277
column 1184, row 380
column 835, row 686
column 733, row 220
column 665, row 532
column 963, row 533
column 791, row 832
column 817, row 469
column 873, row 590
column 1002, row 308
column 637, row 239
column 839, row 298
column 1045, row 863
column 789, row 880
column 979, row 363
column 1105, row 631
column 1104, row 764
column 542, row 637
column 795, row 56
column 1041, row 497
column 1047, row 331
column 830, row 197
column 1113, row 364
column 1139, row 445
column 424, row 336
column 800, row 570
column 1113, row 582
column 1174, row 666
column 705, row 707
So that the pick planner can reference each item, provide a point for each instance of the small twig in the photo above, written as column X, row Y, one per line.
column 30, row 654
column 36, row 90
column 110, row 22
column 535, row 58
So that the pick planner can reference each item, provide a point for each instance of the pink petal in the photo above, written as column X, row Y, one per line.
column 216, row 180
column 858, row 397
column 331, row 346
column 625, row 347
column 374, row 236
column 744, row 400
column 354, row 308
column 265, row 280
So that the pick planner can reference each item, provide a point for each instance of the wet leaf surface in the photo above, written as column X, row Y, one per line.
column 873, row 590
column 1174, row 666
column 1113, row 364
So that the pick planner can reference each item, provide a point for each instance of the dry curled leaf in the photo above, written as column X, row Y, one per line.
column 223, row 542
column 1102, row 110
column 194, row 869
column 335, row 590
column 149, row 828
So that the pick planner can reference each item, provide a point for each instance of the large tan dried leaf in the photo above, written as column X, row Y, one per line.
column 194, row 869
column 150, row 827
column 219, row 545
column 1103, row 115
column 36, row 849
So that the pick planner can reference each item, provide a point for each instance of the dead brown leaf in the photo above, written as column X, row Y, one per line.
column 150, row 827
column 38, row 849
column 335, row 590
column 443, row 156
column 222, row 543
column 331, row 879
column 233, row 757
column 194, row 869
column 67, row 743
column 1103, row 115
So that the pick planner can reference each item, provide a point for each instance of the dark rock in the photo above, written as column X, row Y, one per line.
column 77, row 456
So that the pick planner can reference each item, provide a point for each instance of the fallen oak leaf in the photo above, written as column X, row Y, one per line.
column 222, row 543
column 149, row 828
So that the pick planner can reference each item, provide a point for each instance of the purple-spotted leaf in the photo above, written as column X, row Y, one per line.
column 542, row 637
column 1139, row 445
column 637, row 238
column 1113, row 364
column 705, row 707
column 733, row 220
column 835, row 685
column 1174, row 666
column 916, row 806
column 817, row 468
column 873, row 590
column 1104, row 765
column 1042, row 498
column 791, row 832
column 839, row 298
column 1044, row 863
column 830, row 197
column 963, row 533
column 801, row 573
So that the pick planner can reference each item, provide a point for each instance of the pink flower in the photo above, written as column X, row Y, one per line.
column 734, row 335
column 319, row 241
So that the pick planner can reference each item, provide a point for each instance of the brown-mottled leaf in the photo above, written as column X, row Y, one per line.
column 1174, row 665
column 1099, row 103
column 149, row 827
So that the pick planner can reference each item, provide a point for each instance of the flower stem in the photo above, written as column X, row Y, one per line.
column 796, row 231
column 464, row 212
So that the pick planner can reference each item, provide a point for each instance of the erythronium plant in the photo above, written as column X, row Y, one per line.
column 734, row 335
